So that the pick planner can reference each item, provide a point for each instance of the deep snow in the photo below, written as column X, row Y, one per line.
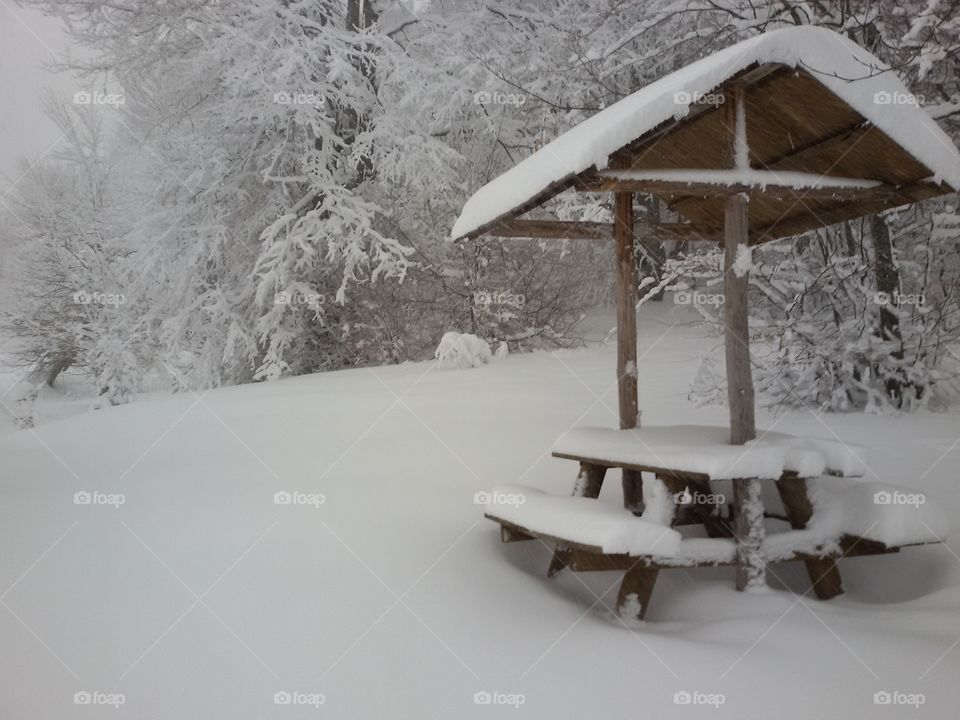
column 380, row 586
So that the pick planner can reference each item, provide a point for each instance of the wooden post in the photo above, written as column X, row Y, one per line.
column 626, row 290
column 736, row 313
column 748, row 525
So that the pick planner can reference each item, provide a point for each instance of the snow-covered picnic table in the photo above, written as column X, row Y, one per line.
column 832, row 510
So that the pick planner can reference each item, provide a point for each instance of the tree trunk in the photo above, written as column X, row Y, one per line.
column 360, row 16
column 652, row 257
column 888, row 285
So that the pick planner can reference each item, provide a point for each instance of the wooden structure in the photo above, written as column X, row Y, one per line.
column 779, row 151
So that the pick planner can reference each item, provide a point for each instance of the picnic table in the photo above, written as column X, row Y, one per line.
column 831, row 510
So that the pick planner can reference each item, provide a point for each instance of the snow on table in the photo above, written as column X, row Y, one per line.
column 706, row 450
column 846, row 69
column 581, row 520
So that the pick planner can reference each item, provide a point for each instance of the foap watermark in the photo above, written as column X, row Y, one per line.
column 898, row 298
column 85, row 297
column 684, row 97
column 95, row 697
column 898, row 497
column 295, row 697
column 485, row 97
column 496, row 697
column 698, row 498
column 895, row 697
column 310, row 299
column 499, row 297
column 498, row 497
column 98, row 98
column 695, row 697
column 897, row 97
column 299, row 98
column 95, row 497
column 293, row 497
column 694, row 297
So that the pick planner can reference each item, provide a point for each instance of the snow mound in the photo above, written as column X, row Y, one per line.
column 581, row 520
column 462, row 350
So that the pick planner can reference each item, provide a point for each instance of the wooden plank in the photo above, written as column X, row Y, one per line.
column 681, row 474
column 823, row 572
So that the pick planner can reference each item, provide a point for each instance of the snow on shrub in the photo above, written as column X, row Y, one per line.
column 462, row 350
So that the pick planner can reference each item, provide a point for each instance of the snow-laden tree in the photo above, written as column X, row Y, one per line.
column 253, row 119
column 65, row 221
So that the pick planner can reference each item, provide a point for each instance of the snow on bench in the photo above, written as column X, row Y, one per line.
column 873, row 511
column 585, row 521
column 887, row 514
column 706, row 450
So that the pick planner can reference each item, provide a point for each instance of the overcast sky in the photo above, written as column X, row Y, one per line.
column 28, row 41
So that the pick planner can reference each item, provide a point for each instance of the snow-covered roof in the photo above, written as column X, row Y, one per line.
column 848, row 71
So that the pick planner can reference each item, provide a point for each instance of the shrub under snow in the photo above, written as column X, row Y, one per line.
column 462, row 350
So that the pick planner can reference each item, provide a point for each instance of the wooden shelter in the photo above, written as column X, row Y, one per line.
column 783, row 133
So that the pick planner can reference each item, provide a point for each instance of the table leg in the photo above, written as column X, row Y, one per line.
column 633, row 491
column 823, row 572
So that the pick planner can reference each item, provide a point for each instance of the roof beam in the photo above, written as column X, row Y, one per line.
column 556, row 229
column 568, row 230
column 706, row 189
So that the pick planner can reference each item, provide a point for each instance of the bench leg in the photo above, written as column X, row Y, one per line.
column 588, row 484
column 635, row 591
column 823, row 572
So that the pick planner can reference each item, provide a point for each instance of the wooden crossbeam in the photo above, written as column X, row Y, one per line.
column 880, row 193
column 575, row 230
column 555, row 229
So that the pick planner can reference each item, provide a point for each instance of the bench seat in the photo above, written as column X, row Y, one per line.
column 848, row 519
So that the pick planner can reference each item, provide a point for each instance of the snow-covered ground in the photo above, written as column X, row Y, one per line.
column 382, row 591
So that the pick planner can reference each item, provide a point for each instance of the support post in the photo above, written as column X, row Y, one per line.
column 748, row 525
column 626, row 290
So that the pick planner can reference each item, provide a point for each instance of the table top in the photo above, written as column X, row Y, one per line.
column 703, row 451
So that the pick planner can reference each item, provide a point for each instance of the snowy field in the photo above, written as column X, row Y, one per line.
column 184, row 590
